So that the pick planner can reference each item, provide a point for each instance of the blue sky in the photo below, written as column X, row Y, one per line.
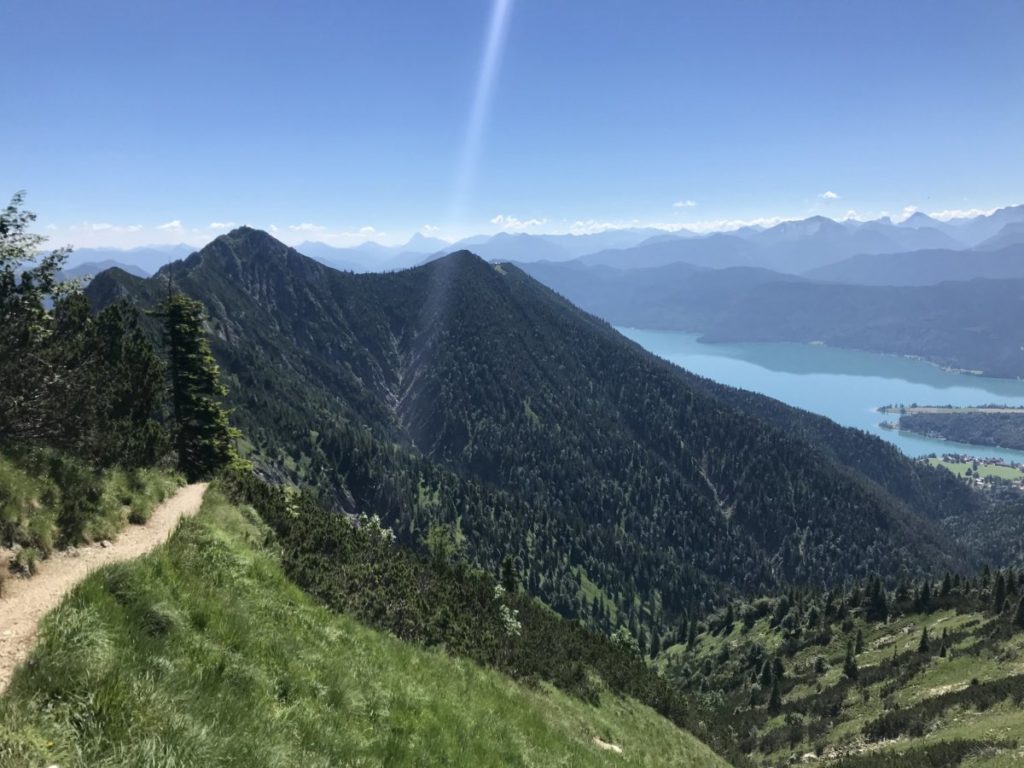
column 346, row 120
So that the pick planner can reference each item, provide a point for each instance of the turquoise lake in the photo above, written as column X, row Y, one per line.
column 845, row 385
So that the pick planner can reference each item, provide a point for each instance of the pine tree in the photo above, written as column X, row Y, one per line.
column 878, row 604
column 947, row 585
column 1018, row 620
column 998, row 593
column 775, row 699
column 778, row 668
column 203, row 438
column 691, row 637
column 850, row 664
column 129, row 387
column 655, row 644
column 859, row 644
column 924, row 597
column 924, row 646
column 510, row 577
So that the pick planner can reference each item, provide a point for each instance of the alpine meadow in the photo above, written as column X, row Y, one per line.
column 688, row 432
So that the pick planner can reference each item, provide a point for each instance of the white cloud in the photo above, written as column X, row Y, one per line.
column 512, row 224
column 222, row 225
column 906, row 213
column 593, row 227
column 307, row 227
column 368, row 231
column 175, row 224
column 829, row 195
column 970, row 213
column 851, row 214
column 274, row 228
column 430, row 229
column 100, row 226
column 727, row 225
column 52, row 227
column 684, row 204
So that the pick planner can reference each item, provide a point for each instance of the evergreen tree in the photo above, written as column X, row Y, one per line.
column 1018, row 620
column 88, row 385
column 878, row 604
column 129, row 391
column 203, row 438
column 510, row 577
column 850, row 663
column 924, row 646
column 924, row 597
column 947, row 585
column 691, row 638
column 34, row 379
column 998, row 593
column 778, row 669
column 859, row 643
column 775, row 699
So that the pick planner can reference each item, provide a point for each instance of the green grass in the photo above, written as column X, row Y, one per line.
column 33, row 502
column 960, row 468
column 204, row 654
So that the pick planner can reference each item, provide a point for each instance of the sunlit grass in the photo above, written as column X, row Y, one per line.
column 204, row 654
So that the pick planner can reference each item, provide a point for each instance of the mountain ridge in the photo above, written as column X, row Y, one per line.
column 476, row 383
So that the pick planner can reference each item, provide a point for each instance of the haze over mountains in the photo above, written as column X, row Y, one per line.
column 813, row 280
column 794, row 247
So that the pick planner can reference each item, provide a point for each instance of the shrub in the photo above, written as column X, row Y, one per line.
column 27, row 561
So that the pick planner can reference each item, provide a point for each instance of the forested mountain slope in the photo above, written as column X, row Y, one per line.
column 926, row 267
column 469, row 394
column 971, row 324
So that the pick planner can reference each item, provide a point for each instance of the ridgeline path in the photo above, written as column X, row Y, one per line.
column 26, row 601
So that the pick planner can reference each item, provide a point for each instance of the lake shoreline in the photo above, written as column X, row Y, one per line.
column 844, row 385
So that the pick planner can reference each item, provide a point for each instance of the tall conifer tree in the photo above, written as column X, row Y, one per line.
column 202, row 436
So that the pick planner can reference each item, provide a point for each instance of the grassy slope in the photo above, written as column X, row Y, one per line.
column 203, row 653
column 995, row 661
column 32, row 504
column 985, row 470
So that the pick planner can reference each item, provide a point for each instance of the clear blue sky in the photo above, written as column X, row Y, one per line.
column 119, row 117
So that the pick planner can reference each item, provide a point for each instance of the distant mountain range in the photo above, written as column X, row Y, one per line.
column 971, row 231
column 148, row 258
column 973, row 325
column 792, row 246
column 927, row 267
column 90, row 269
column 373, row 257
column 795, row 247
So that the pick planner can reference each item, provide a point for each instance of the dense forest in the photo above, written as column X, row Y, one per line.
column 1005, row 429
column 624, row 490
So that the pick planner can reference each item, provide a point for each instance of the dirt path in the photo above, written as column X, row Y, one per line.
column 26, row 601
